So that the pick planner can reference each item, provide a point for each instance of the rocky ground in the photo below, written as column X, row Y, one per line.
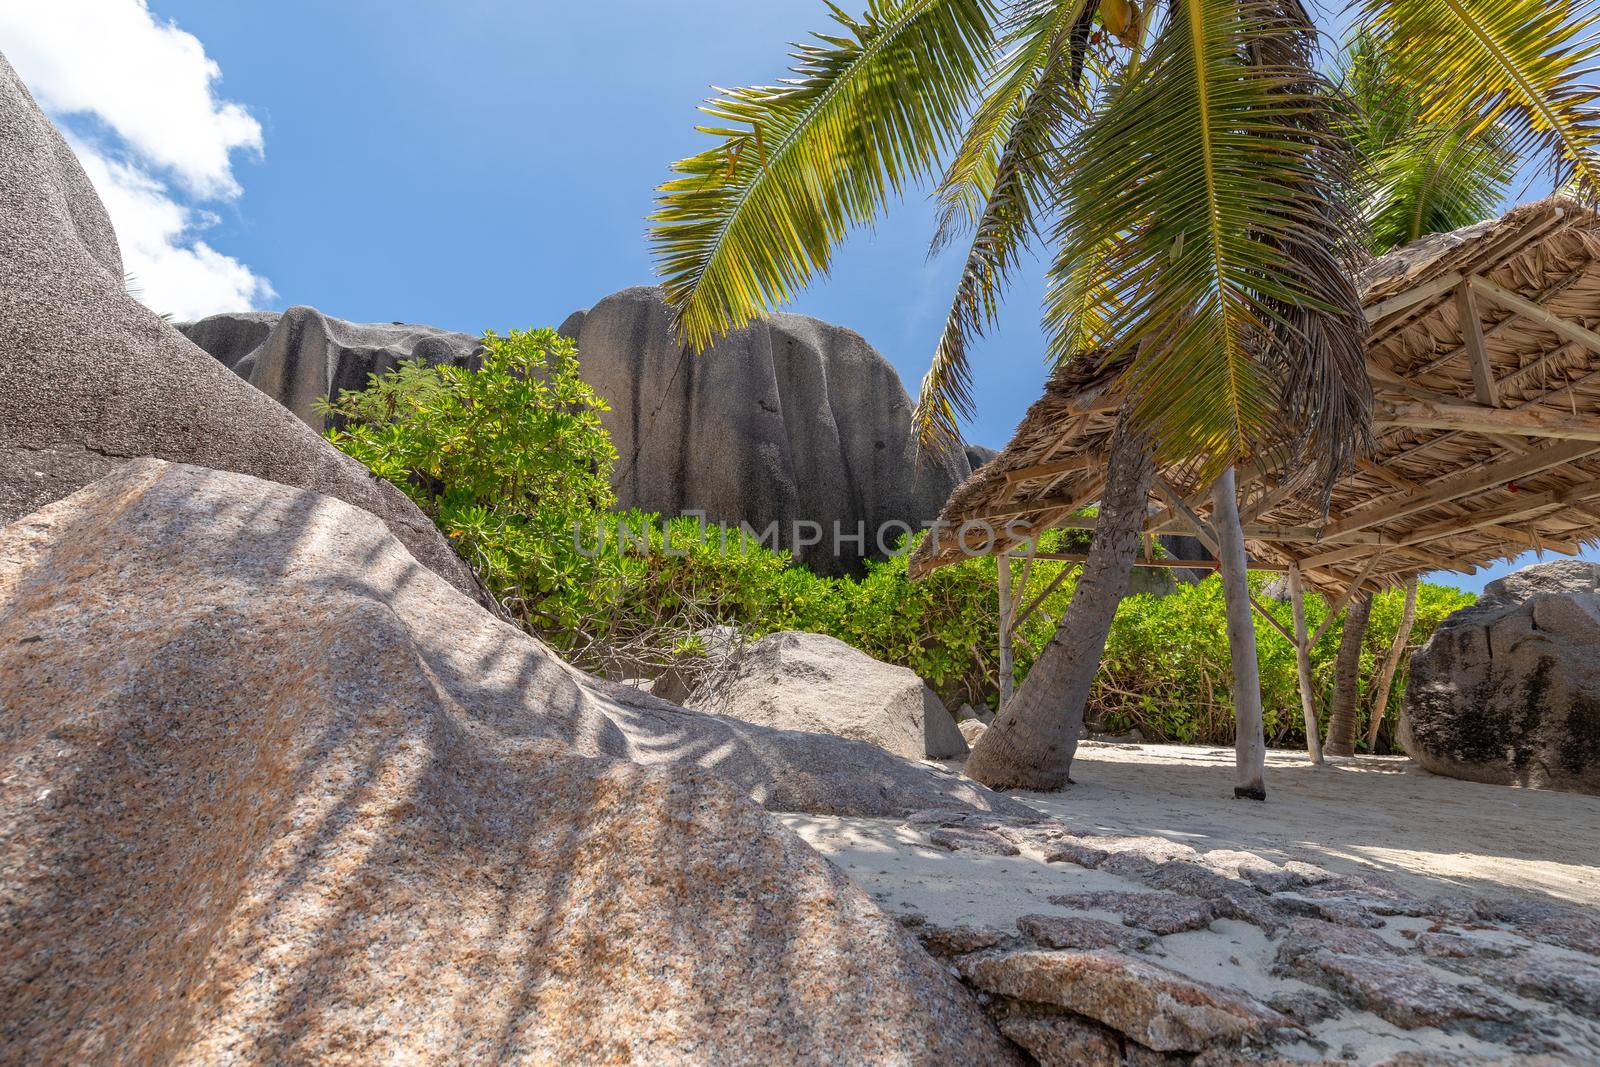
column 1148, row 919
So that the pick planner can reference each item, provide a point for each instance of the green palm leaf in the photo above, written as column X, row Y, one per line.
column 752, row 219
column 1527, row 65
column 1216, row 192
column 1422, row 177
column 994, row 183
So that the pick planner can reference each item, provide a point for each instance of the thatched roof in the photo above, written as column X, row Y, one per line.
column 1488, row 441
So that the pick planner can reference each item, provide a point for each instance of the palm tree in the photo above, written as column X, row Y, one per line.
column 1195, row 180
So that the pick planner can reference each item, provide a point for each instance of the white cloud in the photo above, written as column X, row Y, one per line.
column 172, row 271
column 158, row 142
column 148, row 81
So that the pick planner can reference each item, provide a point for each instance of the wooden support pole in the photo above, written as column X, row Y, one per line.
column 1250, row 744
column 1003, row 562
column 1391, row 664
column 1477, row 352
column 1302, row 659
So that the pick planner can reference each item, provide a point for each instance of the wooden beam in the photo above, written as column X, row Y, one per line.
column 1477, row 353
column 1470, row 418
column 1411, row 297
column 1202, row 529
column 1569, row 331
column 1063, row 466
column 1272, row 619
column 1066, row 502
column 1168, row 564
column 1468, row 483
column 1302, row 659
column 1544, row 294
column 1525, row 506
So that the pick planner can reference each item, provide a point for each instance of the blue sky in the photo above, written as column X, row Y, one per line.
column 482, row 163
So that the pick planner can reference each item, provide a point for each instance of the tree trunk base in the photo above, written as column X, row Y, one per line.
column 1249, row 792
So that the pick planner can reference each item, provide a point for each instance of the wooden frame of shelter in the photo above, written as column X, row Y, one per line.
column 1484, row 356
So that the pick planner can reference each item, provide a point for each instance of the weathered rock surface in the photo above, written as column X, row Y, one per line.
column 1507, row 691
column 1157, row 1007
column 1405, row 992
column 1077, row 931
column 270, row 791
column 803, row 681
column 89, row 378
column 971, row 730
column 1063, row 1040
column 964, row 839
column 788, row 420
column 302, row 355
column 1159, row 913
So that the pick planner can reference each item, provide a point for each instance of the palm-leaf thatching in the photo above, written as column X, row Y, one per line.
column 1484, row 355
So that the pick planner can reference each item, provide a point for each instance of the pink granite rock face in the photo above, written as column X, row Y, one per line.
column 252, row 812
column 1155, row 1006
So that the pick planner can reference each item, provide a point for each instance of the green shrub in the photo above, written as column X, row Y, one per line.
column 507, row 459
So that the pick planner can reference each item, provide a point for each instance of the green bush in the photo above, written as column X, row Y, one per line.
column 510, row 460
column 507, row 459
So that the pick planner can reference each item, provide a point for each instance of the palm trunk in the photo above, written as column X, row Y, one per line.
column 1402, row 636
column 1250, row 746
column 1346, row 678
column 1033, row 739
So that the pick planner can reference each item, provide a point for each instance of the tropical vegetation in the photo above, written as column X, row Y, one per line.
column 510, row 461
column 1202, row 191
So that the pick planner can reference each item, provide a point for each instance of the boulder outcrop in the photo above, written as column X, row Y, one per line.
column 790, row 420
column 89, row 378
column 302, row 355
column 1507, row 690
column 271, row 791
column 813, row 682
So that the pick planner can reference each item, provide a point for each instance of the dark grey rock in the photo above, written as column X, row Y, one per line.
column 303, row 355
column 90, row 379
column 788, row 420
column 1507, row 691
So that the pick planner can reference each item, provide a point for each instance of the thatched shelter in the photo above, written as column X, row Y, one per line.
column 1484, row 356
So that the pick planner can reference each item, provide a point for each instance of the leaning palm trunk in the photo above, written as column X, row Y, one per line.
column 1032, row 742
column 1250, row 746
column 1346, row 676
column 1380, row 703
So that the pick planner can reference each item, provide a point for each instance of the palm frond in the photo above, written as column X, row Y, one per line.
column 1420, row 177
column 869, row 109
column 1217, row 191
column 1525, row 65
column 994, row 183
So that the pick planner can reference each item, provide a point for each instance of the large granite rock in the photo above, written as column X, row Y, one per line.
column 271, row 792
column 90, row 378
column 1507, row 691
column 303, row 355
column 788, row 421
column 803, row 681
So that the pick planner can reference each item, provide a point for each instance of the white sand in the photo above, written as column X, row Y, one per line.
column 1372, row 815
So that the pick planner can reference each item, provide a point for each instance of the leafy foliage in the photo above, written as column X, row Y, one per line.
column 868, row 109
column 507, row 459
column 1422, row 177
column 511, row 462
column 1526, row 65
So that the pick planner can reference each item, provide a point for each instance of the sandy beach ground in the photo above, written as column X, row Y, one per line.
column 1370, row 816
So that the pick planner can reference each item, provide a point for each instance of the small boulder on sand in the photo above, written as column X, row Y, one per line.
column 802, row 681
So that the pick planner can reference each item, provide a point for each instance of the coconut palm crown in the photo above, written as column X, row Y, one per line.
column 1198, row 187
